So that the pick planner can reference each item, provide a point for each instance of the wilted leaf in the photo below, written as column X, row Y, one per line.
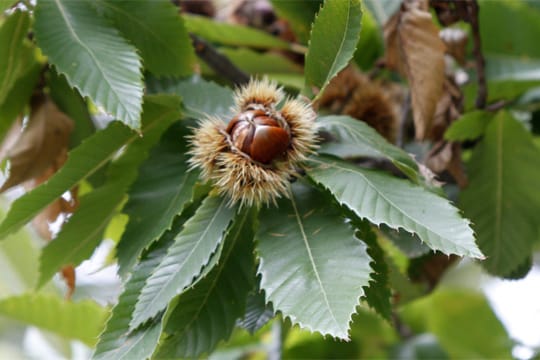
column 456, row 41
column 502, row 198
column 312, row 267
column 334, row 35
column 39, row 145
column 446, row 156
column 414, row 48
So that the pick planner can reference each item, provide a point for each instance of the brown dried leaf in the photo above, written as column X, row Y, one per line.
column 68, row 273
column 456, row 43
column 413, row 47
column 446, row 156
column 39, row 145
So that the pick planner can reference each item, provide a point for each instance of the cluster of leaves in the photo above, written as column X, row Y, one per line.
column 194, row 267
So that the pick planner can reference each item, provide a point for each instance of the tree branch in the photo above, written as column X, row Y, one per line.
column 218, row 62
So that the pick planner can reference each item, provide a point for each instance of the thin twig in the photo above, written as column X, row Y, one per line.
column 481, row 97
column 403, row 120
column 218, row 62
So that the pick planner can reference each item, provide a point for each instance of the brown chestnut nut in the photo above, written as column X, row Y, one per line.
column 258, row 135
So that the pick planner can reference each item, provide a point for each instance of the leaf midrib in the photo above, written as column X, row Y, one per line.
column 219, row 271
column 92, row 56
column 388, row 200
column 312, row 260
column 168, row 282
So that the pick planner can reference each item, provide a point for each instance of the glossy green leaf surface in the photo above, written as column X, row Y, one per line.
column 161, row 191
column 190, row 252
column 502, row 198
column 312, row 267
column 365, row 140
column 59, row 316
column 92, row 55
column 206, row 313
column 157, row 30
column 12, row 33
column 383, row 199
column 334, row 35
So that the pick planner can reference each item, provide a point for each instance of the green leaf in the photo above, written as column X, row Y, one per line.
column 84, row 230
column 60, row 316
column 161, row 191
column 502, row 198
column 447, row 312
column 231, row 34
column 313, row 268
column 12, row 33
column 334, row 35
column 190, row 252
column 116, row 342
column 4, row 4
column 383, row 199
column 18, row 96
column 514, row 15
column 299, row 15
column 18, row 262
column 378, row 294
column 71, row 102
column 92, row 55
column 365, row 140
column 469, row 126
column 157, row 30
column 371, row 45
column 261, row 63
column 84, row 160
column 206, row 313
column 200, row 97
column 258, row 312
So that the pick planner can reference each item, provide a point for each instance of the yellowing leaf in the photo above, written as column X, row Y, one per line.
column 39, row 145
column 413, row 47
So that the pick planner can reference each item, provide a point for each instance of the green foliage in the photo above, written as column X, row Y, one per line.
column 328, row 264
column 299, row 14
column 12, row 61
column 470, row 126
column 363, row 140
column 502, row 197
column 206, row 313
column 98, row 207
column 382, row 199
column 116, row 342
column 334, row 35
column 197, row 271
column 158, row 32
column 151, row 212
column 447, row 313
column 190, row 252
column 57, row 315
column 232, row 35
column 91, row 54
